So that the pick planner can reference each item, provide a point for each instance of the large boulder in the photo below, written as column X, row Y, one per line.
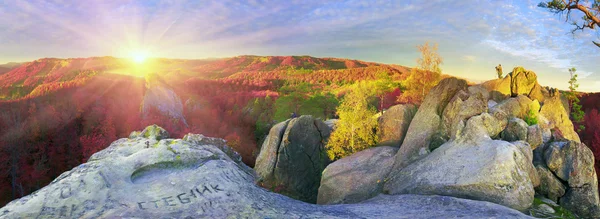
column 572, row 162
column 514, row 107
column 427, row 121
column 516, row 130
column 487, row 170
column 357, row 177
column 535, row 136
column 550, row 186
column 499, row 89
column 528, row 152
column 522, row 81
column 554, row 111
column 269, row 152
column 193, row 178
column 291, row 162
column 394, row 123
column 472, row 166
column 517, row 82
column 583, row 201
column 460, row 108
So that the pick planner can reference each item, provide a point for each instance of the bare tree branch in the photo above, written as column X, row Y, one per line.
column 590, row 20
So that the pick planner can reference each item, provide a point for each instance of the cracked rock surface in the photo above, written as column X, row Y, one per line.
column 151, row 176
column 293, row 157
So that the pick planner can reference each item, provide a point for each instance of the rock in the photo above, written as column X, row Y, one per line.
column 522, row 81
column 535, row 136
column 269, row 152
column 394, row 123
column 460, row 108
column 357, row 177
column 514, row 107
column 155, row 132
column 194, row 179
column 544, row 208
column 550, row 186
column 484, row 125
column 479, row 90
column 538, row 93
column 516, row 130
column 427, row 121
column 583, row 201
column 296, row 159
column 526, row 150
column 499, row 89
column 134, row 134
column 479, row 169
column 554, row 112
column 491, row 104
column 165, row 101
column 546, row 135
column 572, row 162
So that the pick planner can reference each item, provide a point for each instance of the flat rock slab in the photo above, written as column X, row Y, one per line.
column 193, row 178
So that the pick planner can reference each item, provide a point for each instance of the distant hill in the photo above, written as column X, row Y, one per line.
column 8, row 66
column 19, row 80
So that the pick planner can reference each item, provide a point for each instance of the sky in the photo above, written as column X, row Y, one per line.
column 473, row 35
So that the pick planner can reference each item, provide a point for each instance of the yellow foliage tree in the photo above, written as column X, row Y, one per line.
column 357, row 127
column 424, row 76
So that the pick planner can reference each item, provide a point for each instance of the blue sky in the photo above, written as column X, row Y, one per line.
column 473, row 35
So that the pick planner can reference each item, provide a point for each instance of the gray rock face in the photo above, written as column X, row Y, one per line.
column 526, row 150
column 357, row 177
column 550, row 186
column 535, row 136
column 394, row 123
column 165, row 101
column 516, row 130
column 583, row 201
column 572, row 162
column 193, row 178
column 291, row 162
column 480, row 169
column 269, row 152
column 427, row 121
column 460, row 108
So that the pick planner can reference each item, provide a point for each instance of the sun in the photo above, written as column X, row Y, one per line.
column 139, row 56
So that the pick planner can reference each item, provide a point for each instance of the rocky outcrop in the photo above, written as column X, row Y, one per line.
column 427, row 121
column 568, row 175
column 480, row 169
column 293, row 157
column 193, row 178
column 357, row 177
column 517, row 82
column 554, row 111
column 394, row 123
column 514, row 107
column 522, row 81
